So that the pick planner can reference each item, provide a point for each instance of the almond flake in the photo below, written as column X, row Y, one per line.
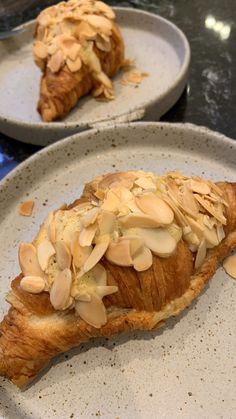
column 93, row 312
column 28, row 260
column 104, row 8
column 210, row 208
column 102, row 291
column 111, row 202
column 89, row 217
column 229, row 265
column 80, row 254
column 32, row 284
column 56, row 61
column 139, row 220
column 87, row 235
column 143, row 260
column 60, row 291
column 220, row 232
column 97, row 253
column 101, row 23
column 63, row 255
column 26, row 208
column 74, row 65
column 201, row 254
column 44, row 251
column 152, row 205
column 158, row 240
column 119, row 253
column 40, row 49
column 99, row 274
column 199, row 186
column 106, row 222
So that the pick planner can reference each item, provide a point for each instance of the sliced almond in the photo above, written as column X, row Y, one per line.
column 74, row 65
column 60, row 291
column 40, row 49
column 104, row 8
column 199, row 186
column 191, row 238
column 26, row 208
column 87, row 235
column 89, row 217
column 143, row 259
column 103, row 45
column 111, row 202
column 80, row 254
column 119, row 253
column 201, row 254
column 152, row 205
column 189, row 204
column 220, row 232
column 145, row 182
column 101, row 23
column 63, row 254
column 44, row 251
column 50, row 225
column 196, row 227
column 83, row 296
column 158, row 240
column 211, row 209
column 175, row 231
column 211, row 237
column 32, row 284
column 139, row 220
column 97, row 253
column 56, row 61
column 85, row 31
column 106, row 222
column 28, row 260
column 229, row 265
column 178, row 214
column 93, row 312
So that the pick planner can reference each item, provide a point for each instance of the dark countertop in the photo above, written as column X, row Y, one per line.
column 210, row 97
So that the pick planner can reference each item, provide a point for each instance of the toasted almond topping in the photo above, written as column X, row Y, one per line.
column 152, row 205
column 56, row 61
column 99, row 22
column 199, row 186
column 87, row 235
column 93, row 312
column 32, row 284
column 175, row 231
column 60, row 291
column 103, row 45
column 26, row 208
column 191, row 238
column 201, row 254
column 145, row 183
column 80, row 254
column 139, row 220
column 97, row 253
column 178, row 214
column 159, row 241
column 74, row 65
column 119, row 253
column 83, row 297
column 220, row 232
column 104, row 8
column 229, row 265
column 143, row 260
column 63, row 255
column 89, row 217
column 189, row 204
column 40, row 49
column 50, row 225
column 136, row 244
column 44, row 251
column 211, row 209
column 28, row 260
column 211, row 237
column 111, row 202
column 196, row 227
column 106, row 222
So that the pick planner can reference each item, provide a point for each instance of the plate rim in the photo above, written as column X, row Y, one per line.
column 62, row 125
column 213, row 136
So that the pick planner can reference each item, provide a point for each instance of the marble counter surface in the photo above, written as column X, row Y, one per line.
column 210, row 96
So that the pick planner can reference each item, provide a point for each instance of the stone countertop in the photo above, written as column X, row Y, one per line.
column 210, row 96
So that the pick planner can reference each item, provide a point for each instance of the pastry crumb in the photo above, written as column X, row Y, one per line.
column 134, row 77
column 26, row 208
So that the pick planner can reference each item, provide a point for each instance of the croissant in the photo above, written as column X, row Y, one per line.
column 134, row 250
column 78, row 46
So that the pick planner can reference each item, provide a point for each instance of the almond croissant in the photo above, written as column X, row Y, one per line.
column 78, row 46
column 135, row 249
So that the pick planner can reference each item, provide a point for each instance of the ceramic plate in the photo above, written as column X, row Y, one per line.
column 186, row 369
column 158, row 47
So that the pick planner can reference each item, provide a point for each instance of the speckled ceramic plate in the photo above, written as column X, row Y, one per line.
column 158, row 48
column 186, row 369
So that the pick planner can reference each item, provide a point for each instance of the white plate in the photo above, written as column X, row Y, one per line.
column 187, row 369
column 158, row 47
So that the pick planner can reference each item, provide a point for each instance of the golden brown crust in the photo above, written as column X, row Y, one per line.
column 60, row 92
column 32, row 332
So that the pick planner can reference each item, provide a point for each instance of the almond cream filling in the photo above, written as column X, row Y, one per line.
column 132, row 217
column 67, row 33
